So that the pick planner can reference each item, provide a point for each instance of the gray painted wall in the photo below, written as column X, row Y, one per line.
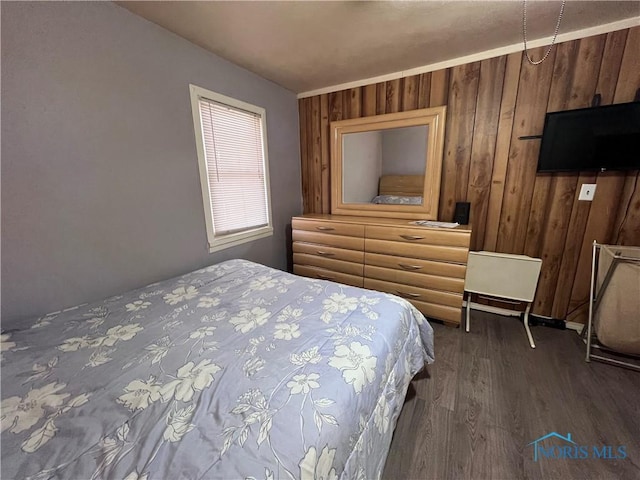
column 361, row 166
column 100, row 186
column 404, row 150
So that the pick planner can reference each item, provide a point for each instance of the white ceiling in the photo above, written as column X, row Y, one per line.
column 308, row 45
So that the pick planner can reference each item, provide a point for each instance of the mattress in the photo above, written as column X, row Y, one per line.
column 233, row 371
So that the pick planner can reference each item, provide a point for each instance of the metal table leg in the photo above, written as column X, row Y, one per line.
column 526, row 325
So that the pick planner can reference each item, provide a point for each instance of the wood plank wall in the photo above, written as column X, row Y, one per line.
column 489, row 105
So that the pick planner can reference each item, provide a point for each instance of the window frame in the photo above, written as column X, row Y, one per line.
column 221, row 242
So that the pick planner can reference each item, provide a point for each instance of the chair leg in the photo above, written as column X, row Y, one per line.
column 526, row 326
column 467, row 324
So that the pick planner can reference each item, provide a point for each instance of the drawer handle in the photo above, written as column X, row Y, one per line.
column 324, row 254
column 409, row 267
column 323, row 277
column 407, row 294
column 325, row 229
column 411, row 237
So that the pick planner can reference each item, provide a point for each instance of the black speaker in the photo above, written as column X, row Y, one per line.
column 462, row 213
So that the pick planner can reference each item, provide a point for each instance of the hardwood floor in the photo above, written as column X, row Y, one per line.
column 488, row 395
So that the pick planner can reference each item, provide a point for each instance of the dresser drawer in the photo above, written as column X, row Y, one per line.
column 329, row 252
column 440, row 305
column 340, row 241
column 415, row 293
column 416, row 265
column 427, row 252
column 323, row 274
column 421, row 280
column 328, row 263
column 332, row 228
column 422, row 236
column 449, row 315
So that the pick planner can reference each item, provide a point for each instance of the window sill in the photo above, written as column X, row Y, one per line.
column 229, row 241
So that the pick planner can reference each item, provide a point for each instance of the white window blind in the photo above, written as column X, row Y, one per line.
column 234, row 155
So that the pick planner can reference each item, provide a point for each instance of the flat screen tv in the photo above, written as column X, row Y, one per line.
column 597, row 138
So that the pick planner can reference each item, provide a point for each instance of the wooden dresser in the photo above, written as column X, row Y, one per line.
column 424, row 265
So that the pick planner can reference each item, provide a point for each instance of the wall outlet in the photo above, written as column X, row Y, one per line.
column 587, row 191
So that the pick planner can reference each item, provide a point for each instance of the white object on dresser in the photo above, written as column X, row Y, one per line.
column 513, row 277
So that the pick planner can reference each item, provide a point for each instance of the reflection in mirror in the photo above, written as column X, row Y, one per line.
column 382, row 153
column 388, row 165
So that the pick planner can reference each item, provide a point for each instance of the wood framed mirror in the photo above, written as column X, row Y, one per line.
column 388, row 165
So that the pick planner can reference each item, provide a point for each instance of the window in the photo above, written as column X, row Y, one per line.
column 234, row 172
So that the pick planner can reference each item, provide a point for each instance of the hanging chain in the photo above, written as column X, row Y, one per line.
column 524, row 33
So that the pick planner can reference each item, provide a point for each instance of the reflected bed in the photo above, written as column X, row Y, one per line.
column 396, row 200
column 399, row 190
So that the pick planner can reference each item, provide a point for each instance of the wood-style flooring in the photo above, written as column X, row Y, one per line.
column 488, row 395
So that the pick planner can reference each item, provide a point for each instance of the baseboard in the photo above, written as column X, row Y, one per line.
column 574, row 326
column 547, row 321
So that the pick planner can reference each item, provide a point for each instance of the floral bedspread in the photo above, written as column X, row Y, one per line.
column 235, row 371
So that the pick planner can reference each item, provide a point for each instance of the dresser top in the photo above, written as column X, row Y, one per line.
column 393, row 222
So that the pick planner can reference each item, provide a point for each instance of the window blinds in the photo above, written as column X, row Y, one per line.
column 234, row 156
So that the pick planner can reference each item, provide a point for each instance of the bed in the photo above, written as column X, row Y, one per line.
column 233, row 371
column 400, row 190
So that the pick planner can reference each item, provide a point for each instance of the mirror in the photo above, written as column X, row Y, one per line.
column 388, row 165
column 382, row 153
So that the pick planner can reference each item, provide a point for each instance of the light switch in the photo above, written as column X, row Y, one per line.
column 587, row 191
